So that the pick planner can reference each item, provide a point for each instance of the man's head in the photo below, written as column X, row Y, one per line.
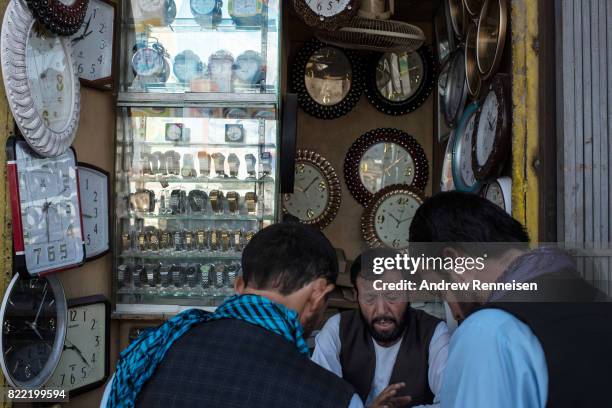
column 292, row 264
column 384, row 311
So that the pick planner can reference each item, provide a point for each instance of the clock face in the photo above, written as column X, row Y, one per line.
column 496, row 195
column 93, row 185
column 234, row 133
column 328, row 8
column 93, row 43
column 487, row 128
column 187, row 66
column 398, row 76
column 147, row 61
column 245, row 7
column 310, row 193
column 393, row 217
column 83, row 360
column 49, row 210
column 465, row 153
column 173, row 132
column 33, row 324
column 203, row 7
column 385, row 164
column 50, row 78
column 328, row 76
column 247, row 69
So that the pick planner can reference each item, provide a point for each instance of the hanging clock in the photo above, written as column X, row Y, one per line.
column 207, row 13
column 84, row 363
column 316, row 193
column 386, row 219
column 491, row 36
column 249, row 13
column 399, row 83
column 455, row 93
column 93, row 45
column 384, row 157
column 473, row 7
column 327, row 79
column 325, row 14
column 463, row 175
column 63, row 17
column 46, row 212
column 491, row 144
column 446, row 181
column 188, row 66
column 499, row 192
column 445, row 39
column 249, row 70
column 33, row 317
column 94, row 187
column 473, row 79
column 40, row 81
column 457, row 17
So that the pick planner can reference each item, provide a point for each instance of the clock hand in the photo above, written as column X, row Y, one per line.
column 87, row 34
column 42, row 302
column 35, row 328
column 75, row 348
column 311, row 183
column 396, row 220
column 393, row 164
column 82, row 36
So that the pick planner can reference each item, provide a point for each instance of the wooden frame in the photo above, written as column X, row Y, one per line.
column 58, row 17
column 326, row 23
column 108, row 194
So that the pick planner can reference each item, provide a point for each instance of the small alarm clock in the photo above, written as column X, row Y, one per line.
column 207, row 13
column 150, row 61
column 188, row 66
column 249, row 69
column 246, row 12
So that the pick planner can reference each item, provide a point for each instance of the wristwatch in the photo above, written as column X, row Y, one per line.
column 152, row 271
column 173, row 162
column 188, row 241
column 145, row 163
column 250, row 165
column 266, row 163
column 126, row 241
column 137, row 276
column 249, row 235
column 178, row 201
column 153, row 240
column 191, row 275
column 219, row 276
column 219, row 160
column 188, row 170
column 225, row 240
column 232, row 272
column 216, row 201
column 123, row 273
column 164, row 276
column 200, row 240
column 166, row 240
column 250, row 199
column 178, row 241
column 158, row 163
column 237, row 241
column 234, row 165
column 233, row 199
column 205, row 275
column 178, row 278
column 142, row 200
column 197, row 200
column 214, row 243
column 204, row 159
column 142, row 241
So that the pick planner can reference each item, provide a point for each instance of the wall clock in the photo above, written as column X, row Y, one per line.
column 442, row 127
column 63, row 17
column 386, row 219
column 325, row 14
column 491, row 36
column 445, row 39
column 84, row 363
column 46, row 212
column 94, row 186
column 491, row 144
column 457, row 17
column 446, row 181
column 455, row 92
column 398, row 83
column 33, row 317
column 473, row 7
column 316, row 193
column 207, row 13
column 473, row 79
column 499, row 192
column 327, row 79
column 247, row 12
column 384, row 157
column 463, row 175
column 93, row 45
column 40, row 81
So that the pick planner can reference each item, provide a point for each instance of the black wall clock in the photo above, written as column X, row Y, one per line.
column 59, row 17
column 327, row 79
column 399, row 83
column 384, row 157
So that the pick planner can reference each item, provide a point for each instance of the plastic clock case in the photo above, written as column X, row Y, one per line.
column 106, row 174
column 455, row 93
column 458, row 147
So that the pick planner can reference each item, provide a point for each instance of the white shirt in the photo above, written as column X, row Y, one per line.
column 327, row 355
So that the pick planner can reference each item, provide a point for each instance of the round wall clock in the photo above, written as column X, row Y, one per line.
column 63, row 17
column 473, row 7
column 472, row 74
column 457, row 17
column 386, row 219
column 384, row 157
column 40, row 80
column 446, row 180
column 455, row 93
column 398, row 83
column 445, row 39
column 463, row 175
column 491, row 144
column 206, row 12
column 325, row 14
column 316, row 192
column 33, row 317
column 327, row 79
column 94, row 187
column 491, row 36
column 499, row 192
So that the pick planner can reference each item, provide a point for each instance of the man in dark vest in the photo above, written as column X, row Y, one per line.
column 539, row 337
column 251, row 352
column 392, row 354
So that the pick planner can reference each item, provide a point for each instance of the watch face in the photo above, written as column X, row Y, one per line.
column 310, row 193
column 50, row 210
column 50, row 78
column 393, row 217
column 33, row 324
column 328, row 76
column 399, row 75
column 496, row 195
column 93, row 44
column 487, row 128
column 203, row 7
column 464, row 151
column 93, row 185
column 147, row 61
column 187, row 66
column 328, row 8
column 385, row 164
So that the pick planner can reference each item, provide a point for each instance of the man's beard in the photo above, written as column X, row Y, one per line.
column 393, row 335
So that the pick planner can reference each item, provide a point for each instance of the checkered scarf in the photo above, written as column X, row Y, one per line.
column 138, row 362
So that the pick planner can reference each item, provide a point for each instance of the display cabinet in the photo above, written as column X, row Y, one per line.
column 196, row 148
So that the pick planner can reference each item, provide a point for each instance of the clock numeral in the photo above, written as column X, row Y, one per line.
column 93, row 358
column 96, row 229
column 60, row 82
column 93, row 69
column 300, row 168
column 95, row 200
column 402, row 201
column 381, row 219
column 83, row 373
column 72, row 379
column 93, row 325
column 80, row 69
column 396, row 243
column 102, row 44
column 51, row 253
column 63, row 379
column 84, row 315
column 46, row 118
column 73, row 315
column 63, row 251
column 37, row 251
column 86, row 184
column 88, row 240
column 96, row 212
column 100, row 59
column 102, row 28
column 97, row 341
column 94, row 13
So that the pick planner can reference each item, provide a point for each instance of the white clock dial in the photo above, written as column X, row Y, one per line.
column 392, row 219
column 94, row 202
column 310, row 193
column 93, row 43
column 245, row 7
column 385, row 164
column 150, row 6
column 467, row 174
column 496, row 195
column 487, row 128
column 234, row 133
column 203, row 7
column 328, row 8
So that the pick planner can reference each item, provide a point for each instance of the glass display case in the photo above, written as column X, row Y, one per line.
column 197, row 147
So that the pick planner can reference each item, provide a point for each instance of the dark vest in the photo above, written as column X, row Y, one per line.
column 575, row 336
column 358, row 357
column 233, row 364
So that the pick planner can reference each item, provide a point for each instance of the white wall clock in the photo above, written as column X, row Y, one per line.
column 499, row 192
column 463, row 175
column 46, row 212
column 446, row 180
column 94, row 188
column 40, row 81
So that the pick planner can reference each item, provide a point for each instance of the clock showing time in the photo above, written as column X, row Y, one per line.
column 499, row 192
column 463, row 174
column 326, row 14
column 94, row 187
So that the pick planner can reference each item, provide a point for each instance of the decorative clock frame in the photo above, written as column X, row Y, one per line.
column 59, row 17
column 326, row 23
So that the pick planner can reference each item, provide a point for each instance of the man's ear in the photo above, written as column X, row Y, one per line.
column 239, row 285
column 450, row 252
column 320, row 288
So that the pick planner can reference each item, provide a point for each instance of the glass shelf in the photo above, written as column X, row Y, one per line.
column 190, row 25
column 204, row 217
column 163, row 255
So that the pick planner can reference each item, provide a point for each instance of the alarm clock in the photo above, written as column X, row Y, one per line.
column 188, row 66
column 207, row 13
column 249, row 69
column 246, row 12
column 150, row 61
column 220, row 66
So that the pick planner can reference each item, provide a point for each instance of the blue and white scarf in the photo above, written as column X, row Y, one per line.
column 138, row 362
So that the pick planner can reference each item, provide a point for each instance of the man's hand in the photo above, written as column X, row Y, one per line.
column 388, row 399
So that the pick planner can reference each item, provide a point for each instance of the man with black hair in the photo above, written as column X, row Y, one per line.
column 515, row 349
column 251, row 352
column 392, row 354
